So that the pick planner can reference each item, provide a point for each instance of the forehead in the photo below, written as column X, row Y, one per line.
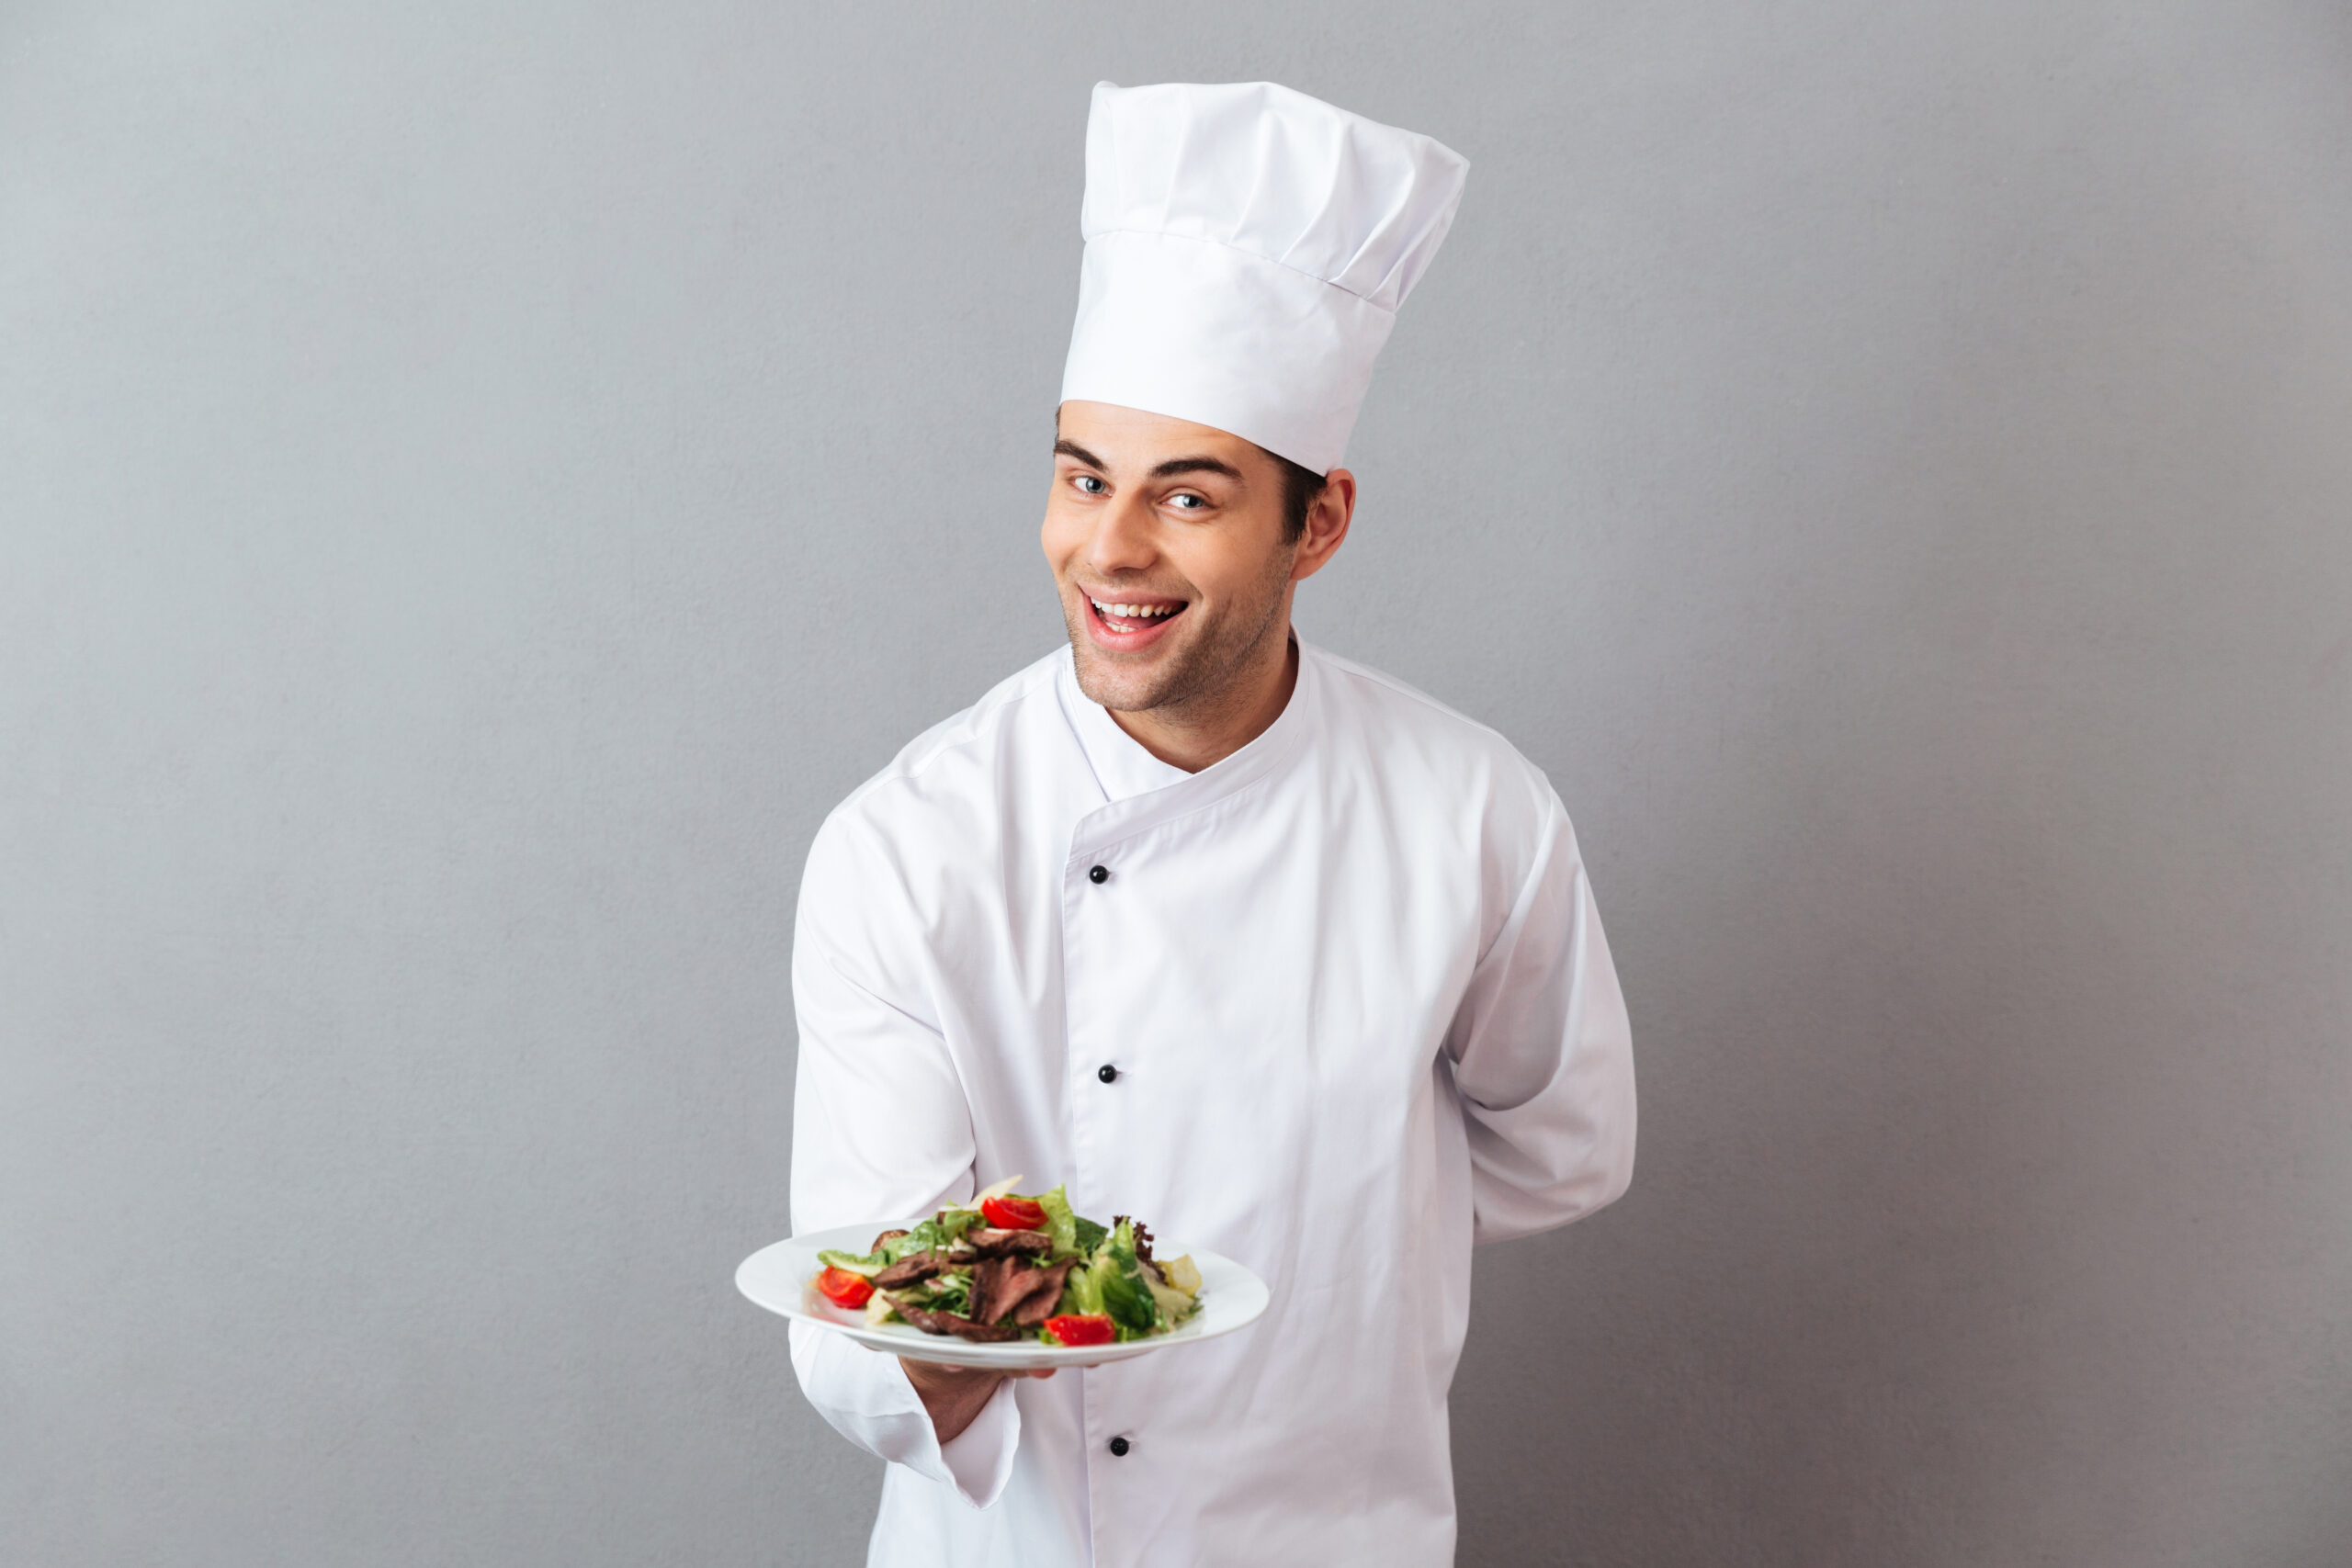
column 1123, row 437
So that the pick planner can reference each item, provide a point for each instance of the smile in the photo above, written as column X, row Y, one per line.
column 1127, row 624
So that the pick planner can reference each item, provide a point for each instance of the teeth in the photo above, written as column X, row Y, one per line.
column 1136, row 612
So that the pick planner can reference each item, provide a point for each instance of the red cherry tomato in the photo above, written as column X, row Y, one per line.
column 843, row 1288
column 1082, row 1328
column 1014, row 1213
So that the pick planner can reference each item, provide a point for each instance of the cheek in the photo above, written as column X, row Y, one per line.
column 1226, row 569
column 1059, row 539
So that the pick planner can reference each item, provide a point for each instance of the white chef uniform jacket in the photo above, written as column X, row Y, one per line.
column 1362, row 1012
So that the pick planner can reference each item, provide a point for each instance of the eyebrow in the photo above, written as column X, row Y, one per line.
column 1066, row 448
column 1194, row 466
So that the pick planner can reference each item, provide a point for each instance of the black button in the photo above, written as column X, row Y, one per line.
column 1119, row 1447
column 1101, row 874
column 1107, row 1073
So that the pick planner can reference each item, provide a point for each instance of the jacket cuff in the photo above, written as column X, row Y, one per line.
column 864, row 1396
column 980, row 1458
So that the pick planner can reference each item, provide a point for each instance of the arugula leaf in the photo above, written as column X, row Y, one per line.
column 1090, row 1235
column 951, row 1293
column 939, row 1231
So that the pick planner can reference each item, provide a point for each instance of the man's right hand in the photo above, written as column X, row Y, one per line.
column 955, row 1395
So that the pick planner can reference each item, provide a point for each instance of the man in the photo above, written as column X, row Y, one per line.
column 1217, row 928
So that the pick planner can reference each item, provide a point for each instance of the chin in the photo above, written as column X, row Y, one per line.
column 1121, row 685
column 1124, row 690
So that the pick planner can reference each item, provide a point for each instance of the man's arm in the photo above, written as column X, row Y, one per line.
column 881, row 1130
column 1543, row 1054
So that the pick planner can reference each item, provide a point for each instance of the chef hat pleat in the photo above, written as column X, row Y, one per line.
column 1247, row 250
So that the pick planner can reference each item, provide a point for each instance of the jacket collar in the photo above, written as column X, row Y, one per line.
column 1094, row 733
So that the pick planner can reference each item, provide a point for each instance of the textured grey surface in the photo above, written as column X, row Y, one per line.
column 474, row 488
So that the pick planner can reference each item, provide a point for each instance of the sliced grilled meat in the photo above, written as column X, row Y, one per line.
column 1044, row 1293
column 993, row 1289
column 1004, row 1287
column 907, row 1270
column 885, row 1238
column 991, row 1243
column 945, row 1323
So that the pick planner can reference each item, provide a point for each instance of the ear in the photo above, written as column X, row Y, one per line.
column 1327, row 525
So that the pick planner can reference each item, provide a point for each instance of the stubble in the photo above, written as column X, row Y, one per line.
column 1201, row 678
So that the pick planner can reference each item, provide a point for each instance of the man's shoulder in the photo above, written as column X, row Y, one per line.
column 1411, row 728
column 1444, row 777
column 945, row 765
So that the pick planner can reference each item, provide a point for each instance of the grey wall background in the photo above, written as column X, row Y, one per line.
column 462, row 477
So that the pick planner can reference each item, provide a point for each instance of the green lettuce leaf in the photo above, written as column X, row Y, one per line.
column 869, row 1264
column 1081, row 1292
column 1061, row 1225
column 1126, row 1293
column 1072, row 1232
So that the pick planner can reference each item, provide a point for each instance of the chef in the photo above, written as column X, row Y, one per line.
column 1220, row 929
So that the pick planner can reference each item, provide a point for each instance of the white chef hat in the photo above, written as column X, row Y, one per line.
column 1246, row 247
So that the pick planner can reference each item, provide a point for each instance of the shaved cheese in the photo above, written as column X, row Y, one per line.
column 1001, row 1190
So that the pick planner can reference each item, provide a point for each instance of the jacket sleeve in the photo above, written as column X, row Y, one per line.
column 880, row 1131
column 1543, row 1054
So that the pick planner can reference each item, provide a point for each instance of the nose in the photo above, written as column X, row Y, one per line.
column 1121, row 540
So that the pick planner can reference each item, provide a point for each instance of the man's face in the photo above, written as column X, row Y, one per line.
column 1166, row 541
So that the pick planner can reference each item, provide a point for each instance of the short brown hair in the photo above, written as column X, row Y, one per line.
column 1300, row 485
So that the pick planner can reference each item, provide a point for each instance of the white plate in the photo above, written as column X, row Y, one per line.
column 782, row 1279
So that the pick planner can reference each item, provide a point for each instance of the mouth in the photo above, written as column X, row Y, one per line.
column 1129, row 625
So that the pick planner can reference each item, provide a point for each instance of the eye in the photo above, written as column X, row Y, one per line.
column 1091, row 484
column 1185, row 501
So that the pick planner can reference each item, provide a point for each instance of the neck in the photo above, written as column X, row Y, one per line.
column 1203, row 730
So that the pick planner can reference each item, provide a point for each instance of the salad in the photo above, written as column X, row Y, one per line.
column 1004, row 1267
